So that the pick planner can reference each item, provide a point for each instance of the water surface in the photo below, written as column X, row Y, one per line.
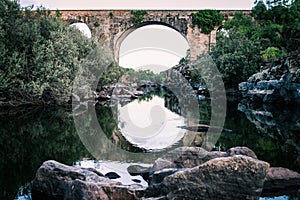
column 31, row 136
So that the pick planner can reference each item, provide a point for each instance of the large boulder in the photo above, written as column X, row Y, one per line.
column 105, row 191
column 58, row 181
column 188, row 157
column 226, row 178
column 281, row 181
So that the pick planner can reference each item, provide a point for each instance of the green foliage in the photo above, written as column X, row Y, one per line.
column 272, row 53
column 243, row 24
column 207, row 20
column 112, row 74
column 247, row 42
column 237, row 57
column 137, row 16
column 96, row 24
column 39, row 55
column 259, row 12
column 279, row 23
column 57, row 13
column 147, row 75
column 183, row 60
column 275, row 3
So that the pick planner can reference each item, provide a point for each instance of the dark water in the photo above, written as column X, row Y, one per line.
column 29, row 136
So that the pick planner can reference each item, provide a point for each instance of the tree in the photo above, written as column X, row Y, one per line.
column 259, row 12
column 236, row 57
column 207, row 20
column 242, row 23
column 39, row 55
column 279, row 23
column 275, row 3
column 291, row 28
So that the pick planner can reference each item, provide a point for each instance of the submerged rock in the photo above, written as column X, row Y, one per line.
column 135, row 170
column 112, row 175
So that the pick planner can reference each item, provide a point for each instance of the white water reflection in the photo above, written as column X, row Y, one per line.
column 149, row 125
column 113, row 166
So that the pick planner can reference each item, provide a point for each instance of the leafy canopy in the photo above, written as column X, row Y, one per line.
column 207, row 20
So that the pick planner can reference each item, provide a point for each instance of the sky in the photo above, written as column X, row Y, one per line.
column 142, row 4
column 165, row 45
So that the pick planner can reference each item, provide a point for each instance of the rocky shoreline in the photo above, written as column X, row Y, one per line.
column 183, row 173
column 276, row 83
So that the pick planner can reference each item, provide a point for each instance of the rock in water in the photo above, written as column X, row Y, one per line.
column 281, row 181
column 225, row 178
column 136, row 180
column 241, row 151
column 58, row 181
column 135, row 170
column 112, row 175
column 188, row 157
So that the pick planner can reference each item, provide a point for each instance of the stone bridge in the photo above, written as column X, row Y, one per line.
column 115, row 25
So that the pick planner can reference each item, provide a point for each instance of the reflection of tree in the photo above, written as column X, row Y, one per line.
column 108, row 124
column 28, row 138
column 276, row 144
column 149, row 95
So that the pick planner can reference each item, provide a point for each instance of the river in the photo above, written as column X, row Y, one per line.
column 30, row 136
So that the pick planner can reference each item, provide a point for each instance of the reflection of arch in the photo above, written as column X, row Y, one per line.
column 123, row 35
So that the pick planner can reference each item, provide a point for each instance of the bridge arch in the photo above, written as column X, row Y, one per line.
column 110, row 25
column 173, row 42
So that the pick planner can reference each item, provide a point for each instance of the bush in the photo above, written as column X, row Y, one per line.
column 272, row 53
